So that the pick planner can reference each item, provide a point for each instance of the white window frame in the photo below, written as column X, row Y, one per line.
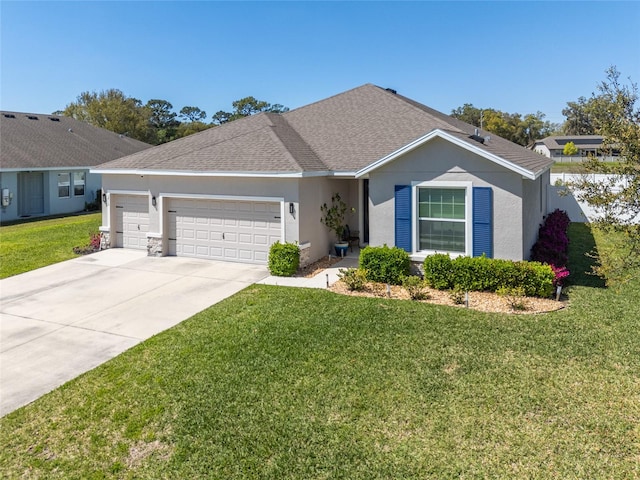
column 419, row 255
column 83, row 182
column 62, row 184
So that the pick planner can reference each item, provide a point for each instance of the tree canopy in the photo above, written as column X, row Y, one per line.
column 615, row 115
column 523, row 130
column 156, row 121
column 244, row 107
column 113, row 110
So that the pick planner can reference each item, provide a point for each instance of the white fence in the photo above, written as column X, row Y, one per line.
column 559, row 196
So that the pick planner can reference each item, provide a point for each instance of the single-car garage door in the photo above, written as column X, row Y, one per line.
column 132, row 221
column 240, row 231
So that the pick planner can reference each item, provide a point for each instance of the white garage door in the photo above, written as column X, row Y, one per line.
column 223, row 229
column 132, row 221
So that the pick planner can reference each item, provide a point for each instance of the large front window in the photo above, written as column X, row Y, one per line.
column 442, row 219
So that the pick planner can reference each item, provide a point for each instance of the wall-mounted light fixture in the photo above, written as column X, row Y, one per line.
column 153, row 201
column 291, row 208
column 104, row 198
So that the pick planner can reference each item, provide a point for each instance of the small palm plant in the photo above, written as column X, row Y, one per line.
column 333, row 216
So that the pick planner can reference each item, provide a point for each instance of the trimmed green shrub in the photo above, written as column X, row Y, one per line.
column 385, row 264
column 437, row 271
column 415, row 287
column 488, row 274
column 354, row 278
column 284, row 259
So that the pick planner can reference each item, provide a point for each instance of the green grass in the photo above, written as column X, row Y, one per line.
column 35, row 244
column 568, row 167
column 285, row 383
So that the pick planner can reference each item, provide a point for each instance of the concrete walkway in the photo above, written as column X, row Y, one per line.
column 62, row 320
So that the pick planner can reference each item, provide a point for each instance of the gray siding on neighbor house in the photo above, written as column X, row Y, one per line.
column 14, row 181
column 439, row 160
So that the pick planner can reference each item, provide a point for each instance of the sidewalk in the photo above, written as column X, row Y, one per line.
column 320, row 280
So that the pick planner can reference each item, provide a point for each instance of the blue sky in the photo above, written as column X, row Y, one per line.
column 513, row 56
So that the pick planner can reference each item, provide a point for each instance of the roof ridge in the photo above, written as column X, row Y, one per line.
column 328, row 98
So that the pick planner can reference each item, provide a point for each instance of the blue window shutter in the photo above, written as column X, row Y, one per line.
column 482, row 221
column 403, row 217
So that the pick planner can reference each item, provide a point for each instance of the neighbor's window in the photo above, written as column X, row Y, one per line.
column 63, row 185
column 441, row 219
column 78, row 184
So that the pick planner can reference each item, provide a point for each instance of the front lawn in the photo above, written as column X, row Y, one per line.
column 35, row 244
column 292, row 383
column 568, row 167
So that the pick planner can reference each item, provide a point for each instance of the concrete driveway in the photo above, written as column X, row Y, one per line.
column 65, row 319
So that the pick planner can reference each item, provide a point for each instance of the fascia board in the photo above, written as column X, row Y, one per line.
column 456, row 141
column 183, row 173
column 45, row 169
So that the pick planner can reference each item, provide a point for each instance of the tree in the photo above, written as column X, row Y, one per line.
column 616, row 117
column 570, row 149
column 192, row 114
column 511, row 126
column 188, row 128
column 162, row 120
column 245, row 107
column 113, row 110
column 578, row 118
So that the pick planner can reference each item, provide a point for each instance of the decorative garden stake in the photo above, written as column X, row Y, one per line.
column 388, row 291
column 327, row 280
column 558, row 292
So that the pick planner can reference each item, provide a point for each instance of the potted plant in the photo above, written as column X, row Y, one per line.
column 333, row 219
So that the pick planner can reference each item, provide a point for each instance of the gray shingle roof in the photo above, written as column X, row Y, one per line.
column 580, row 141
column 343, row 133
column 40, row 142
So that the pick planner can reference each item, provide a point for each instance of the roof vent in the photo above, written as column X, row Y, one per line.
column 391, row 90
column 71, row 131
column 9, row 115
column 477, row 138
column 32, row 117
column 54, row 119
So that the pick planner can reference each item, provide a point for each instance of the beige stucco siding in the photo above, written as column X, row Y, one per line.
column 314, row 192
column 164, row 187
column 439, row 160
column 306, row 194
column 534, row 207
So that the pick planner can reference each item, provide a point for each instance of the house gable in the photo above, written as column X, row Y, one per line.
column 456, row 140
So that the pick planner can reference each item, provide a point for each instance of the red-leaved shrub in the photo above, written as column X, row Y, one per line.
column 553, row 244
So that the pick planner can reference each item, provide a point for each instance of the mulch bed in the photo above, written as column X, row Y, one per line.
column 482, row 301
column 314, row 268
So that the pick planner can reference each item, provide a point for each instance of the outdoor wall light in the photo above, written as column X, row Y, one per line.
column 291, row 208
column 153, row 201
column 104, row 198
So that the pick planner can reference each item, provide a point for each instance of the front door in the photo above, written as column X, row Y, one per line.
column 31, row 194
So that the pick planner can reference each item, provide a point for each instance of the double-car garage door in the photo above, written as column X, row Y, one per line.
column 240, row 231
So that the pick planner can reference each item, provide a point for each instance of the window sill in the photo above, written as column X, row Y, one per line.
column 420, row 256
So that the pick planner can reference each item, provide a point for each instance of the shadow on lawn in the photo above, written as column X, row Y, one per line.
column 582, row 248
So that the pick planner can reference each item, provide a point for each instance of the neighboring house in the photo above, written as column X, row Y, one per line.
column 587, row 145
column 418, row 179
column 45, row 162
